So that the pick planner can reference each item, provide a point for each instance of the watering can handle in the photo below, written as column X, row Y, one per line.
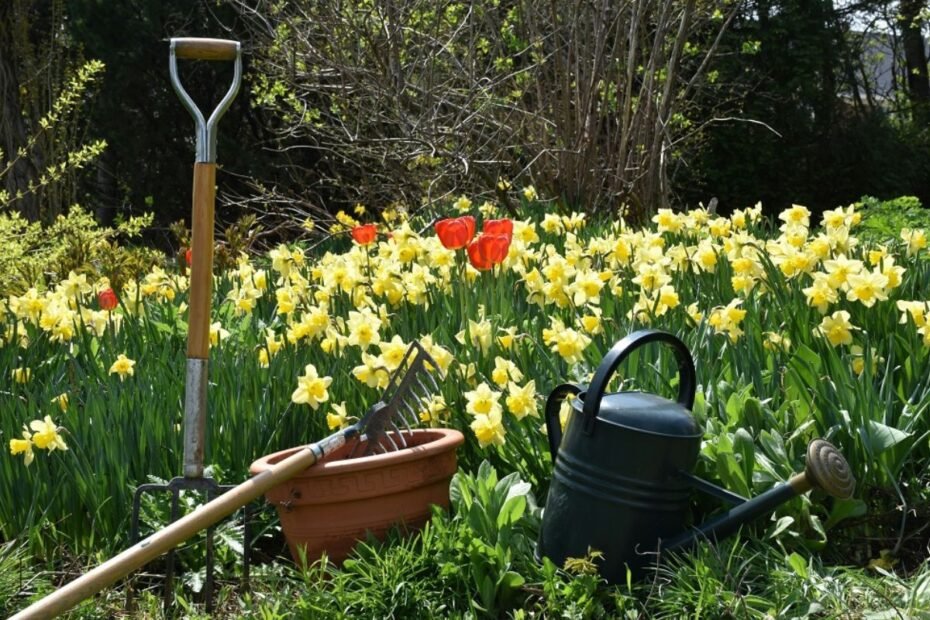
column 553, row 407
column 687, row 381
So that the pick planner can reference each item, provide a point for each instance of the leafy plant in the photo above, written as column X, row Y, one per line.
column 37, row 255
column 497, row 521
column 882, row 220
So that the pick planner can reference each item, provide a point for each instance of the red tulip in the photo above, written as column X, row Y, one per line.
column 187, row 257
column 455, row 233
column 364, row 235
column 488, row 250
column 498, row 227
column 106, row 299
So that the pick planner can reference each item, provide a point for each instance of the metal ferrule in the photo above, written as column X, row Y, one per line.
column 206, row 129
column 195, row 417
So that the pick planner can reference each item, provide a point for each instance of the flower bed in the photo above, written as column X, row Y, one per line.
column 796, row 332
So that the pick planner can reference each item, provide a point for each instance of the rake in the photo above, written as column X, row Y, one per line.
column 381, row 429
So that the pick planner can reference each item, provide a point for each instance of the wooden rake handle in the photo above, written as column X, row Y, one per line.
column 184, row 528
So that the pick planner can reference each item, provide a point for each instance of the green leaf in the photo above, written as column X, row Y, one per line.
column 512, row 511
column 511, row 580
column 799, row 564
column 773, row 446
column 781, row 525
column 882, row 437
column 746, row 449
column 845, row 509
column 731, row 474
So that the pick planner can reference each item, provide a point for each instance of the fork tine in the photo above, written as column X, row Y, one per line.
column 413, row 414
column 420, row 401
column 400, row 435
column 405, row 422
column 387, row 437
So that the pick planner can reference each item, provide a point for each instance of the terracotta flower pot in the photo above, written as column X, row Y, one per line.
column 334, row 504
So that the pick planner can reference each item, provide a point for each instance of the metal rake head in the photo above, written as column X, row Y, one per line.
column 408, row 392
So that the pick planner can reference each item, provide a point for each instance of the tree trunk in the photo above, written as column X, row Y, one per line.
column 13, row 130
column 915, row 56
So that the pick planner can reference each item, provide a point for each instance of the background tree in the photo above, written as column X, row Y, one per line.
column 421, row 101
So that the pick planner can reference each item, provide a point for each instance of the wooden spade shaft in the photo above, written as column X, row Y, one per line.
column 184, row 528
column 198, row 321
column 201, row 280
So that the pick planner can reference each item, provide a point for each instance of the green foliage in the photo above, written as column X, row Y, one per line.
column 882, row 220
column 498, row 522
column 60, row 166
column 37, row 255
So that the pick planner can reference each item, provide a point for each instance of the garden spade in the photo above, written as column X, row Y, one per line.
column 200, row 291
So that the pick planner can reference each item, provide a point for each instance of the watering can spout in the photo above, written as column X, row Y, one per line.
column 825, row 469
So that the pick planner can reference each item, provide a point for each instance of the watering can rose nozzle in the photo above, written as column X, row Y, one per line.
column 825, row 469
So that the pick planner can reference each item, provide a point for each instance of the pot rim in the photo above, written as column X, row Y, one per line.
column 445, row 440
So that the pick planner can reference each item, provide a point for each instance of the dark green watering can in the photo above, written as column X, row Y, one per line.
column 622, row 481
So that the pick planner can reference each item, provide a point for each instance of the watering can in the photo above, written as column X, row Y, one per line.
column 622, row 480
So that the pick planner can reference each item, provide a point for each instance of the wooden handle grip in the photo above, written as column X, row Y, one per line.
column 205, row 49
column 201, row 284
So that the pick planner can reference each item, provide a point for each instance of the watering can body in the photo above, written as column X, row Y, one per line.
column 616, row 486
column 622, row 478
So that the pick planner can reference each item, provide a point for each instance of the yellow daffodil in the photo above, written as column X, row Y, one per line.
column 462, row 205
column 836, row 328
column 867, row 288
column 489, row 429
column 820, row 294
column 311, row 388
column 504, row 371
column 21, row 375
column 217, row 333
column 363, row 328
column 62, row 401
column 372, row 371
column 694, row 312
column 393, row 352
column 337, row 418
column 482, row 400
column 728, row 319
column 478, row 334
column 918, row 311
column 123, row 366
column 529, row 192
column 23, row 446
column 797, row 215
column 436, row 411
column 667, row 220
column 521, row 401
column 565, row 341
column 45, row 435
column 916, row 239
column 776, row 342
column 840, row 269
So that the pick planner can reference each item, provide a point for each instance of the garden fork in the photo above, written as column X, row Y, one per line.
column 379, row 430
column 200, row 291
